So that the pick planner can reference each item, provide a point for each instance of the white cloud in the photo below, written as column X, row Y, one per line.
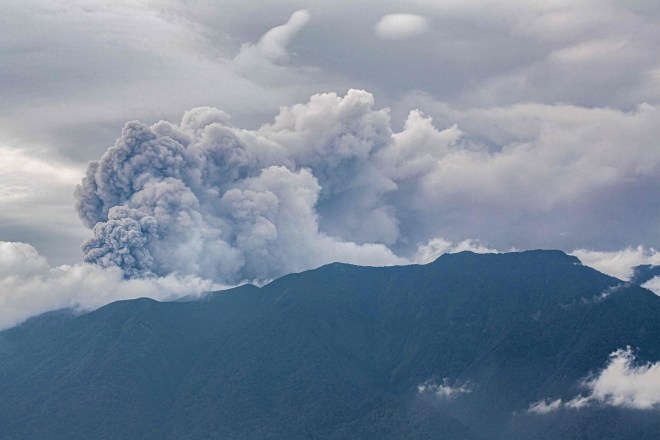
column 29, row 285
column 555, row 154
column 653, row 285
column 544, row 406
column 621, row 384
column 400, row 26
column 444, row 390
column 618, row 264
column 514, row 171
column 262, row 60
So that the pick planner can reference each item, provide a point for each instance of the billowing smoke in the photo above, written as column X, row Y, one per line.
column 208, row 199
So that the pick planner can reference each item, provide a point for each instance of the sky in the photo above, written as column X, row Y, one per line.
column 164, row 148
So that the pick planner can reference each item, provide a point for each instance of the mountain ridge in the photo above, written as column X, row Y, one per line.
column 335, row 352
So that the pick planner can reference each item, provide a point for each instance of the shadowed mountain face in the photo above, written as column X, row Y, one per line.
column 339, row 353
column 644, row 273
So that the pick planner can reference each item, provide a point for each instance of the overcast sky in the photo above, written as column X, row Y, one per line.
column 387, row 131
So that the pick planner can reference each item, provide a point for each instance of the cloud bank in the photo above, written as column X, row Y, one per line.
column 622, row 383
column 30, row 286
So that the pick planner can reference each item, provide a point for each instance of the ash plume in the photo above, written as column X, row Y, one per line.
column 208, row 199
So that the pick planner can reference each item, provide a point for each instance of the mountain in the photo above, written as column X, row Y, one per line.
column 340, row 352
column 644, row 273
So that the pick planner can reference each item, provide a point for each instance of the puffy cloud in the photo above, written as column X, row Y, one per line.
column 544, row 156
column 621, row 383
column 29, row 285
column 400, row 26
column 531, row 175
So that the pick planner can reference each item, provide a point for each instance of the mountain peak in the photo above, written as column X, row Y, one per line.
column 538, row 256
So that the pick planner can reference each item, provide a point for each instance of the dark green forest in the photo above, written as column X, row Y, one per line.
column 339, row 353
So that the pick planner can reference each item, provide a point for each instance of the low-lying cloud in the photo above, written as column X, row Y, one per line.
column 618, row 264
column 29, row 285
column 621, row 264
column 445, row 390
column 622, row 383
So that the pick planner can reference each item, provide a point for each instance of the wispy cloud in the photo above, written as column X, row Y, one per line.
column 444, row 390
column 544, row 406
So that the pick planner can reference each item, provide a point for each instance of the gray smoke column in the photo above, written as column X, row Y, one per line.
column 207, row 199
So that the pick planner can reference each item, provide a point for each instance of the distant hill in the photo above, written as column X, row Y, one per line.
column 339, row 352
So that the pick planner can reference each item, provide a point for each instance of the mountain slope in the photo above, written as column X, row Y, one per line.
column 338, row 352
